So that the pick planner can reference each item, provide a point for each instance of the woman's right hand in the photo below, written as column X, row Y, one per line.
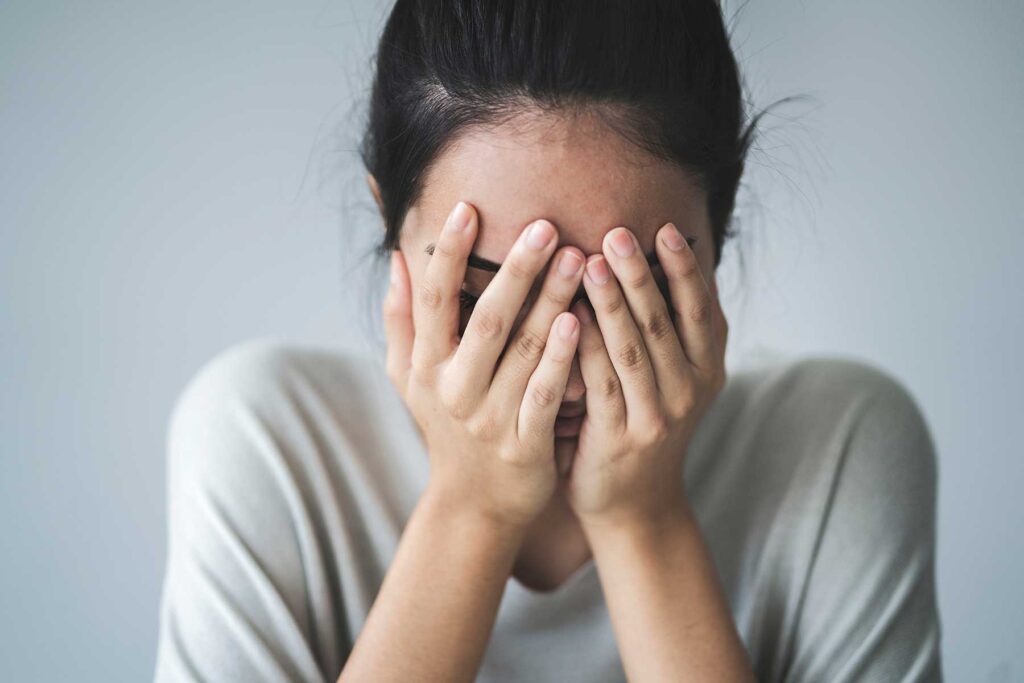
column 487, row 417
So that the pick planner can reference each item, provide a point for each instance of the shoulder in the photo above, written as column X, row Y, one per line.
column 267, row 376
column 869, row 407
column 259, row 370
column 789, row 430
column 819, row 487
column 816, row 383
column 845, row 380
column 264, row 404
column 829, row 397
column 853, row 431
column 867, row 530
column 258, row 441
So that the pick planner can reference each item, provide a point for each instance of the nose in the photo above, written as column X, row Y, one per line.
column 574, row 388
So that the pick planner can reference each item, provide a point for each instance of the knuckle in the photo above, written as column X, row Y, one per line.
column 609, row 387
column 518, row 270
column 638, row 280
column 420, row 375
column 530, row 345
column 657, row 431
column 674, row 411
column 700, row 311
column 429, row 295
column 633, row 354
column 687, row 401
column 613, row 305
column 543, row 396
column 482, row 425
column 448, row 249
column 552, row 297
column 688, row 265
column 454, row 400
column 511, row 456
column 658, row 325
column 487, row 324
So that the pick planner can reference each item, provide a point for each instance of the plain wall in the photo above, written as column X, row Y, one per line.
column 179, row 177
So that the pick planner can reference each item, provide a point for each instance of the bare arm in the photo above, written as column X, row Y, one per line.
column 669, row 614
column 435, row 611
column 652, row 367
column 487, row 420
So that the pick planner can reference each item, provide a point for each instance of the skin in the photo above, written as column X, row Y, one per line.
column 586, row 180
column 643, row 364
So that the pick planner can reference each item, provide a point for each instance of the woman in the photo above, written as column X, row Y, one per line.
column 547, row 476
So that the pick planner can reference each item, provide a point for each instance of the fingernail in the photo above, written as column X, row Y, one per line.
column 569, row 264
column 673, row 239
column 567, row 326
column 597, row 269
column 459, row 219
column 540, row 235
column 622, row 243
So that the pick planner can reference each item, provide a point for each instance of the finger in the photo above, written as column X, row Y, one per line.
column 498, row 307
column 398, row 327
column 544, row 391
column 691, row 299
column 626, row 347
column 435, row 305
column 650, row 311
column 527, row 344
column 605, row 404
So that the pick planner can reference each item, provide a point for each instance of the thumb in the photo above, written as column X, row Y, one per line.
column 398, row 326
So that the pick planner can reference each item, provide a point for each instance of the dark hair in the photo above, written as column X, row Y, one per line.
column 660, row 72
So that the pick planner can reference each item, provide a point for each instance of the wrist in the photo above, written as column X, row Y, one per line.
column 651, row 523
column 453, row 511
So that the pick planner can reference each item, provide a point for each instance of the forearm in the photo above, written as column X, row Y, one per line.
column 668, row 611
column 435, row 611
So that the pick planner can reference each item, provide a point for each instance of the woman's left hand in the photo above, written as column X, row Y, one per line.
column 650, row 371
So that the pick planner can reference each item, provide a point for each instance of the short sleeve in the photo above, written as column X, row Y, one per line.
column 241, row 574
column 869, row 609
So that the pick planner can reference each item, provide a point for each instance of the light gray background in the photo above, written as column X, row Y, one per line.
column 179, row 177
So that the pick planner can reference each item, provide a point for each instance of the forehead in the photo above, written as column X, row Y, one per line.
column 576, row 172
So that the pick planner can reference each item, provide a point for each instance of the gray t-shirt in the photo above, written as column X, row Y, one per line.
column 293, row 469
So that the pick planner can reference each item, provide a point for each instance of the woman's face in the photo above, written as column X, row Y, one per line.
column 577, row 173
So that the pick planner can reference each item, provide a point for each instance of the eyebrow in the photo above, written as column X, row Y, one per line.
column 481, row 263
